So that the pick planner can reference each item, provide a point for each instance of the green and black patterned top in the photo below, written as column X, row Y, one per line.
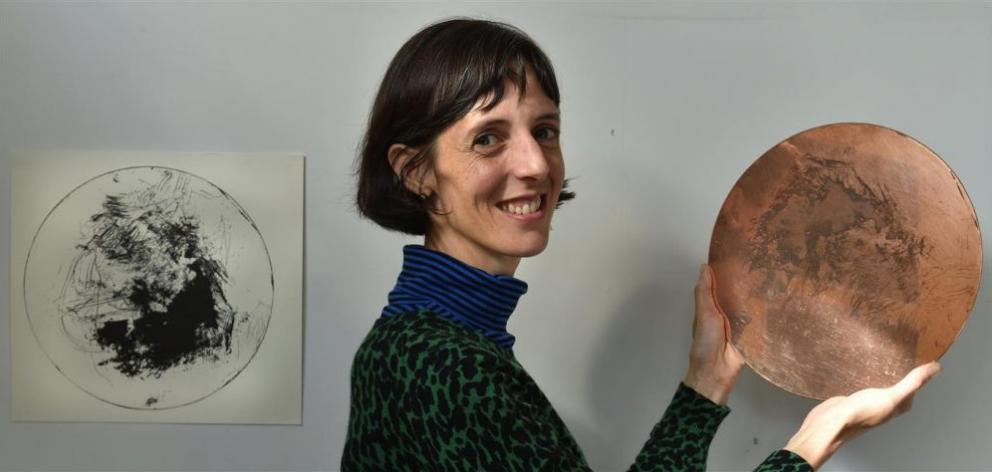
column 435, row 386
column 430, row 394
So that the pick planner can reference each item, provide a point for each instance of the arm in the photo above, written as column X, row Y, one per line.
column 681, row 440
column 479, row 410
column 483, row 412
column 714, row 365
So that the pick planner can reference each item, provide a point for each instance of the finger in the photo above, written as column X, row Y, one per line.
column 915, row 379
column 727, row 334
column 705, row 294
column 711, row 281
column 699, row 297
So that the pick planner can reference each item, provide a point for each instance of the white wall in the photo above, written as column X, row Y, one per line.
column 664, row 106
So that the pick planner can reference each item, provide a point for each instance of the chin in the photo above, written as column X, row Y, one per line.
column 528, row 248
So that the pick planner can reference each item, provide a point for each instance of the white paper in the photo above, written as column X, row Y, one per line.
column 153, row 287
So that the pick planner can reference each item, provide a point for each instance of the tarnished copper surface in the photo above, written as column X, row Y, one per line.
column 845, row 256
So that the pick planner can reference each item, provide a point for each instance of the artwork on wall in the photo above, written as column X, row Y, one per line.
column 157, row 287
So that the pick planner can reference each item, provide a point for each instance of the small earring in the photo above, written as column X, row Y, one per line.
column 423, row 196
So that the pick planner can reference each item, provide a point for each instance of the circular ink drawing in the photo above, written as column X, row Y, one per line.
column 148, row 287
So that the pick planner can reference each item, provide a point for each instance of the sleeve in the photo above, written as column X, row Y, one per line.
column 473, row 410
column 681, row 440
column 784, row 461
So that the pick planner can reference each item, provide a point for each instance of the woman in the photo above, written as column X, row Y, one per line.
column 463, row 148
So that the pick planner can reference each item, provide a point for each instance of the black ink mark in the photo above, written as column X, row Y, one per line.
column 174, row 287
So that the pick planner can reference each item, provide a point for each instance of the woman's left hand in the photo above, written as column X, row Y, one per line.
column 713, row 362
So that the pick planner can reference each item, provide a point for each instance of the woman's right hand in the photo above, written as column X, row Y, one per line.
column 839, row 419
column 714, row 363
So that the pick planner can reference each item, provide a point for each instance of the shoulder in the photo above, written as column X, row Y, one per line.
column 441, row 372
column 424, row 343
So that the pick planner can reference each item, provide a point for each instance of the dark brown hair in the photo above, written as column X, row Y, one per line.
column 433, row 81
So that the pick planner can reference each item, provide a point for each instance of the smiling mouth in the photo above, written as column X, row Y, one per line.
column 525, row 207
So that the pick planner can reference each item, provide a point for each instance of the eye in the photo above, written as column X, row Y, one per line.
column 546, row 133
column 486, row 140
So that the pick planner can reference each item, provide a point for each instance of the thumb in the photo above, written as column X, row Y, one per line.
column 706, row 302
column 704, row 288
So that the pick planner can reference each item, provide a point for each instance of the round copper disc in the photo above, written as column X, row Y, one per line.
column 843, row 257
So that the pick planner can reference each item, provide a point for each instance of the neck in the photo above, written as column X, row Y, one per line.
column 473, row 255
column 436, row 282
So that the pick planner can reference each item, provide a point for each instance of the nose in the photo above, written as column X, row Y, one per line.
column 529, row 160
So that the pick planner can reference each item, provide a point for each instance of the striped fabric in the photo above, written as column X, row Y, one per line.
column 466, row 295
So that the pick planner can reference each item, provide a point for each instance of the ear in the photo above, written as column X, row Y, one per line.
column 419, row 180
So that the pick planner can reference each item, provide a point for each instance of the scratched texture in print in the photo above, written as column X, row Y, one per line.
column 149, row 287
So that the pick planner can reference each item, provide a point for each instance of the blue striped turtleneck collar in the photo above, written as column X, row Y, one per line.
column 466, row 295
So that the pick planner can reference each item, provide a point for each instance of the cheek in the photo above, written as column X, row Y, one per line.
column 472, row 189
column 486, row 185
column 557, row 169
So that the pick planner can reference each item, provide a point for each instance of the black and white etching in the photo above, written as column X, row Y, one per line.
column 149, row 287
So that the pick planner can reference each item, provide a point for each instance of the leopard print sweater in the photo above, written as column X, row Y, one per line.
column 428, row 394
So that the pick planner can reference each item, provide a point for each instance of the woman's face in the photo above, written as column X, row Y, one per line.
column 497, row 175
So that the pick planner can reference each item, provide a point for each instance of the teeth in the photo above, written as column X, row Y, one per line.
column 523, row 208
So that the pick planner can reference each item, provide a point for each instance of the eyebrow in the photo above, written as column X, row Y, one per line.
column 554, row 115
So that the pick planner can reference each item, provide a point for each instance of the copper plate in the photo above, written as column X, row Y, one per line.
column 845, row 256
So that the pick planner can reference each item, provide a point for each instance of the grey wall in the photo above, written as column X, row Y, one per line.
column 664, row 106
